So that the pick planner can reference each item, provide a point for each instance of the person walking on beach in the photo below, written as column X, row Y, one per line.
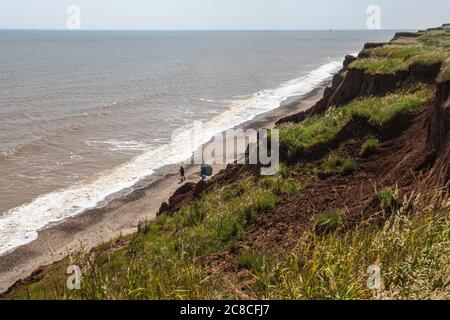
column 182, row 176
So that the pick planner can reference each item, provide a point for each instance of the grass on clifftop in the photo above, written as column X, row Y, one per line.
column 410, row 249
column 321, row 128
column 390, row 59
column 429, row 48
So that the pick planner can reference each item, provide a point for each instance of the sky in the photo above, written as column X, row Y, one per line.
column 223, row 14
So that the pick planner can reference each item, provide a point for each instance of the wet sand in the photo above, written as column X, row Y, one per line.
column 121, row 215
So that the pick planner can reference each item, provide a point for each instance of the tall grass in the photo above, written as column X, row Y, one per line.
column 369, row 147
column 380, row 66
column 312, row 130
column 390, row 58
column 411, row 249
column 328, row 221
column 381, row 110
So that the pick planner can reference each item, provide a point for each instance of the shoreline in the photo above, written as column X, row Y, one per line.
column 121, row 215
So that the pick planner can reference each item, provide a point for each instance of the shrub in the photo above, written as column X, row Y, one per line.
column 369, row 147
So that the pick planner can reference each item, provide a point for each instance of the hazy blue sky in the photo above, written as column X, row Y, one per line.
column 223, row 14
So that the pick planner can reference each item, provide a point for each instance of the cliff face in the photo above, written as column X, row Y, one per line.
column 359, row 83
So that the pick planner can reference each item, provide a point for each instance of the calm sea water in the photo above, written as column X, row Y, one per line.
column 86, row 114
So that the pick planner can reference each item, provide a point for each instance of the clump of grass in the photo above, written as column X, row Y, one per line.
column 281, row 185
column 388, row 199
column 429, row 58
column 312, row 130
column 328, row 221
column 381, row 110
column 369, row 147
column 380, row 66
column 252, row 260
column 428, row 49
column 337, row 164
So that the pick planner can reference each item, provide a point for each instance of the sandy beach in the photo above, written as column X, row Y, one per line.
column 121, row 215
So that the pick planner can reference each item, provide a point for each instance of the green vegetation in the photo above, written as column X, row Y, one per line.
column 388, row 198
column 381, row 110
column 328, row 221
column 162, row 262
column 389, row 59
column 253, row 260
column 435, row 38
column 369, row 147
column 321, row 128
column 411, row 249
column 380, row 66
column 429, row 48
column 280, row 185
column 337, row 164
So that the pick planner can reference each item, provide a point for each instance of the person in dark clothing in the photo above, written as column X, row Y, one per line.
column 182, row 176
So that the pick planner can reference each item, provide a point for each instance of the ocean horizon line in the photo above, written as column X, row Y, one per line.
column 202, row 30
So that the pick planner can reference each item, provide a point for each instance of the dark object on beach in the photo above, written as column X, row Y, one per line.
column 205, row 171
column 182, row 176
